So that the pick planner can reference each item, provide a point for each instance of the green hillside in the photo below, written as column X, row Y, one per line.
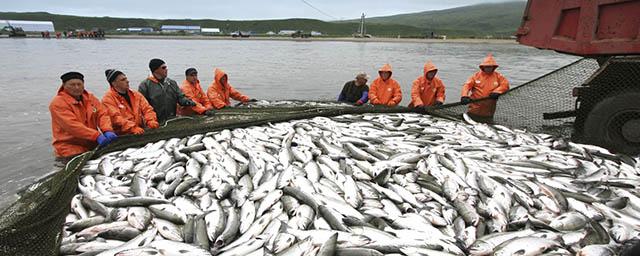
column 68, row 22
column 497, row 19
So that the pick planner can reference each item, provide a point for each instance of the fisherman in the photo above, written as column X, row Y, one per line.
column 385, row 90
column 162, row 92
column 484, row 83
column 355, row 91
column 78, row 121
column 191, row 88
column 220, row 91
column 129, row 110
column 428, row 89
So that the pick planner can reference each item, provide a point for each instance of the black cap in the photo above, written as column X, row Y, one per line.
column 155, row 64
column 190, row 71
column 71, row 75
column 112, row 74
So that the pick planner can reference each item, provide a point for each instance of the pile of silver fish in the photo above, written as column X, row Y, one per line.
column 392, row 184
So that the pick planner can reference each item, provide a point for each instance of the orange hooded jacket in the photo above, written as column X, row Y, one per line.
column 385, row 92
column 196, row 94
column 125, row 117
column 74, row 124
column 425, row 92
column 480, row 85
column 219, row 94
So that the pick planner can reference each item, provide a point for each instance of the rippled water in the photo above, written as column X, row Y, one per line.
column 30, row 70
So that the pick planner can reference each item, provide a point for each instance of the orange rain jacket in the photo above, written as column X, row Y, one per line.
column 385, row 92
column 196, row 94
column 124, row 117
column 480, row 85
column 74, row 124
column 219, row 94
column 425, row 92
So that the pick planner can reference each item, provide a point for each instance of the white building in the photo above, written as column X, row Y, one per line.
column 29, row 26
column 287, row 32
column 210, row 31
column 180, row 28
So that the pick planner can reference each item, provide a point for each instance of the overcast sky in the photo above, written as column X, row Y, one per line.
column 234, row 9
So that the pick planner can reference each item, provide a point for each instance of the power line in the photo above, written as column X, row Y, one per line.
column 320, row 11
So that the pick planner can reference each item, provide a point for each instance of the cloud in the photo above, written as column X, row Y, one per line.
column 235, row 9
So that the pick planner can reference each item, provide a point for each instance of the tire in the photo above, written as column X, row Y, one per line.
column 614, row 123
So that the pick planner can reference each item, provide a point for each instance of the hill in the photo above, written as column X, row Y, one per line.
column 497, row 19
column 68, row 22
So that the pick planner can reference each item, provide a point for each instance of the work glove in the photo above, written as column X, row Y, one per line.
column 153, row 125
column 494, row 95
column 465, row 100
column 111, row 136
column 137, row 130
column 102, row 140
column 359, row 103
column 438, row 103
column 253, row 100
column 210, row 112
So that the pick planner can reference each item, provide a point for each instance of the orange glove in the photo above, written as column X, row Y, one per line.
column 391, row 104
column 137, row 130
column 153, row 125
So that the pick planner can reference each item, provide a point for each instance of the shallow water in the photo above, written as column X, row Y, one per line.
column 30, row 71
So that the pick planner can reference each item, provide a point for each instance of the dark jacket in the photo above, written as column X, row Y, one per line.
column 352, row 93
column 163, row 96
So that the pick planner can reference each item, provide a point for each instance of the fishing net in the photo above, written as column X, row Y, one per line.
column 605, row 111
column 33, row 224
column 524, row 107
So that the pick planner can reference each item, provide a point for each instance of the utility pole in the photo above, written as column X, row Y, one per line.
column 362, row 28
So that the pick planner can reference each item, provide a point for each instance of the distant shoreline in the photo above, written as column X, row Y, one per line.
column 318, row 39
column 313, row 39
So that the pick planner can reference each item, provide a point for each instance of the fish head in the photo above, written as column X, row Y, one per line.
column 480, row 248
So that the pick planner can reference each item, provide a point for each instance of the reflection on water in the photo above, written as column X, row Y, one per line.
column 262, row 69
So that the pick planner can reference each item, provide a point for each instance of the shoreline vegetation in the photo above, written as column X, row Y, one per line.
column 312, row 39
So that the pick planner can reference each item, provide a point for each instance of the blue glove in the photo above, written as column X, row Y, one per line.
column 111, row 136
column 103, row 140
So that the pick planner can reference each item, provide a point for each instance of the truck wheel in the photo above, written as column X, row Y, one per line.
column 614, row 123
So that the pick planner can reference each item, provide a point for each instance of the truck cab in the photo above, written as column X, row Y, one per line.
column 607, row 106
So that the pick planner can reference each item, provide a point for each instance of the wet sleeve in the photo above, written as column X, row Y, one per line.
column 236, row 95
column 397, row 94
column 182, row 99
column 147, row 111
column 373, row 91
column 365, row 97
column 468, row 85
column 142, row 88
column 117, row 119
column 415, row 94
column 215, row 98
column 64, row 117
column 503, row 84
column 198, row 108
column 440, row 91
column 204, row 100
column 104, row 121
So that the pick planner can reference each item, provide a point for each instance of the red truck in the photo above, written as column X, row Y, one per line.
column 607, row 108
